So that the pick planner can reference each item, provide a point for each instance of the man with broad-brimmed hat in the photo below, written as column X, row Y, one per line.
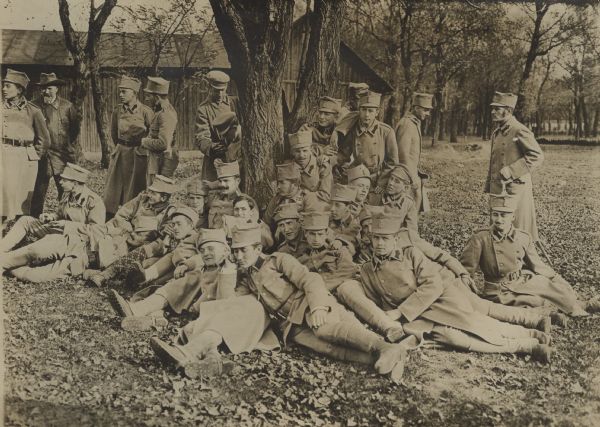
column 130, row 122
column 304, row 311
column 78, row 204
column 402, row 293
column 513, row 272
column 408, row 136
column 25, row 140
column 61, row 120
column 315, row 169
column 366, row 140
column 514, row 155
column 216, row 103
column 160, row 142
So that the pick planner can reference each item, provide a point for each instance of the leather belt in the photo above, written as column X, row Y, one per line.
column 16, row 142
column 128, row 143
column 507, row 278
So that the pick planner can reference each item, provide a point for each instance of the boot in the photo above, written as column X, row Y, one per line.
column 169, row 354
column 144, row 323
column 120, row 304
column 541, row 353
column 120, row 267
column 530, row 318
column 135, row 276
column 212, row 365
column 542, row 337
column 559, row 319
column 593, row 305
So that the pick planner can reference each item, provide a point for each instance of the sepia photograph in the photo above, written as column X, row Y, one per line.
column 300, row 213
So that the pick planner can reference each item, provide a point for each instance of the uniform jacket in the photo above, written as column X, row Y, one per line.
column 285, row 288
column 64, row 142
column 24, row 121
column 163, row 246
column 404, row 205
column 375, row 147
column 316, row 177
column 346, row 230
column 334, row 265
column 219, row 205
column 162, row 134
column 514, row 146
column 295, row 247
column 503, row 259
column 85, row 207
column 205, row 115
column 278, row 200
column 408, row 136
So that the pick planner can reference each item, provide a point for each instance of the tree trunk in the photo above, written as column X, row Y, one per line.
column 100, row 116
column 321, row 70
column 596, row 120
column 256, row 36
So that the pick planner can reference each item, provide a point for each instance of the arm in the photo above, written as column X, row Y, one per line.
column 325, row 180
column 114, row 127
column 532, row 154
column 97, row 213
column 74, row 130
column 391, row 147
column 440, row 256
column 167, row 122
column 471, row 255
column 42, row 136
column 202, row 135
column 429, row 286
column 125, row 214
column 534, row 263
column 404, row 140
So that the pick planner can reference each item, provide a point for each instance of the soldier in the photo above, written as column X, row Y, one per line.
column 343, row 224
column 408, row 136
column 130, row 122
column 306, row 313
column 513, row 272
column 401, row 288
column 288, row 191
column 515, row 154
column 195, row 198
column 83, row 245
column 221, row 202
column 25, row 140
column 359, row 178
column 366, row 140
column 78, row 204
column 365, row 218
column 228, row 133
column 334, row 264
column 398, row 196
column 245, row 211
column 324, row 135
column 61, row 120
column 215, row 104
column 287, row 219
column 198, row 284
column 355, row 91
column 315, row 170
column 160, row 142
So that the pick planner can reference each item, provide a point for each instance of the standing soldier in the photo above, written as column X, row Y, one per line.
column 355, row 91
column 25, row 140
column 515, row 153
column 61, row 120
column 130, row 122
column 367, row 140
column 216, row 103
column 161, row 139
column 408, row 136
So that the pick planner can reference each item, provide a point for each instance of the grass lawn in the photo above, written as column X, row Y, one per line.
column 68, row 363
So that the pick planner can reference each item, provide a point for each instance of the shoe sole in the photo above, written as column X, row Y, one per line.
column 208, row 368
column 115, row 301
column 164, row 353
column 143, row 323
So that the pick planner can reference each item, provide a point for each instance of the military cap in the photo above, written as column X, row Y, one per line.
column 217, row 79
column 75, row 172
column 162, row 184
column 185, row 211
column 289, row 170
column 343, row 193
column 368, row 211
column 423, row 100
column 356, row 90
column 16, row 77
column 386, row 224
column 504, row 100
column 224, row 122
column 503, row 203
column 401, row 172
column 206, row 235
column 360, row 171
column 245, row 236
column 145, row 223
column 300, row 139
column 196, row 187
column 286, row 211
column 330, row 105
column 225, row 169
column 130, row 83
column 370, row 99
column 157, row 85
column 50, row 80
column 315, row 220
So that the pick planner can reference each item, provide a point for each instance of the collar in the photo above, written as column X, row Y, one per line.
column 496, row 237
column 258, row 264
column 312, row 164
column 378, row 261
column 386, row 199
column 505, row 126
column 370, row 130
column 412, row 118
column 18, row 103
column 53, row 104
column 344, row 222
column 131, row 108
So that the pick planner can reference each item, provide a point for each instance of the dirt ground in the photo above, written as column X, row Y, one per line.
column 68, row 362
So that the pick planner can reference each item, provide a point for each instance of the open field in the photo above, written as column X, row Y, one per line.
column 68, row 362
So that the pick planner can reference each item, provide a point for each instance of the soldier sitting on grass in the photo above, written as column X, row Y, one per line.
column 220, row 202
column 513, row 272
column 245, row 211
column 287, row 219
column 342, row 223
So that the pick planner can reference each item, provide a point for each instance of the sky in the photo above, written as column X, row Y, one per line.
column 43, row 14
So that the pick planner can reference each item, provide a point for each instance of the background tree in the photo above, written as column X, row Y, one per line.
column 83, row 47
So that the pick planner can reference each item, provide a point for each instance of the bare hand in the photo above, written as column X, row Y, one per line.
column 318, row 318
column 470, row 283
column 180, row 270
column 394, row 314
column 46, row 217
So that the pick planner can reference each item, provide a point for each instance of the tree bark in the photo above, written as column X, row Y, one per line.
column 100, row 116
column 321, row 71
column 256, row 36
